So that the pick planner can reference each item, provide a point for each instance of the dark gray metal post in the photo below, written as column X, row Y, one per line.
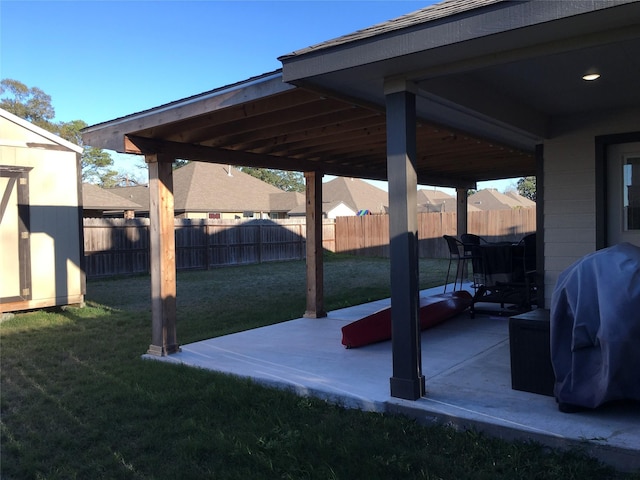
column 461, row 211
column 407, row 381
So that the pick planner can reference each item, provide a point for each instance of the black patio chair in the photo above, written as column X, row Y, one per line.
column 457, row 254
column 469, row 240
column 525, row 267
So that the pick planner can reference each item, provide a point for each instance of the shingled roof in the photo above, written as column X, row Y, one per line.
column 200, row 186
column 356, row 194
column 519, row 198
column 445, row 9
column 207, row 187
column 491, row 199
column 438, row 201
column 100, row 199
column 137, row 193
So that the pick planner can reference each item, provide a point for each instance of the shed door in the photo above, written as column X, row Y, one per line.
column 15, row 263
column 623, row 193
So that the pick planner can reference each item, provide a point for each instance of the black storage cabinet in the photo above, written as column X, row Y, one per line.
column 529, row 344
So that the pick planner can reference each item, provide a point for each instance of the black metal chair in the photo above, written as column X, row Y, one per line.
column 457, row 254
column 525, row 267
column 470, row 240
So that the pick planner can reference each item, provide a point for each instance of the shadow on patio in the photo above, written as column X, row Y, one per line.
column 466, row 363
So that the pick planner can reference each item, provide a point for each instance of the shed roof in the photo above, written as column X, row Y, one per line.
column 47, row 139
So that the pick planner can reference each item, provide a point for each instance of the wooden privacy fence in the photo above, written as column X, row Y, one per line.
column 121, row 247
column 369, row 235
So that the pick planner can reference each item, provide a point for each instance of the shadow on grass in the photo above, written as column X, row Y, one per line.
column 79, row 402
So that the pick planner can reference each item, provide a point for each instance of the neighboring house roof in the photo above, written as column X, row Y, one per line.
column 430, row 201
column 138, row 194
column 285, row 201
column 491, row 199
column 96, row 198
column 523, row 200
column 356, row 194
column 203, row 187
column 333, row 209
column 211, row 187
column 435, row 201
column 52, row 140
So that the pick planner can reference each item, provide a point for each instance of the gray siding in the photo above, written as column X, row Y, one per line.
column 570, row 188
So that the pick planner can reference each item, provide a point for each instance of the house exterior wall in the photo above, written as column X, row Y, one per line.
column 340, row 211
column 54, row 220
column 570, row 188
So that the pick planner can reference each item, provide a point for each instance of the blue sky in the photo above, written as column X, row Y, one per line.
column 100, row 59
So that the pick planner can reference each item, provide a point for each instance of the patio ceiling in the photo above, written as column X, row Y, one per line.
column 501, row 70
column 267, row 123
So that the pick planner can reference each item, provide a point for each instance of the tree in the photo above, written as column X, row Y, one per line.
column 34, row 105
column 284, row 180
column 527, row 187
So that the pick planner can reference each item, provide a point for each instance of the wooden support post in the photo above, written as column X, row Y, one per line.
column 315, row 265
column 162, row 256
column 407, row 381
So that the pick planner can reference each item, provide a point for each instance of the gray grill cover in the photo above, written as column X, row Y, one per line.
column 595, row 328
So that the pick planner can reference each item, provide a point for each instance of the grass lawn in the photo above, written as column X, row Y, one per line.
column 78, row 402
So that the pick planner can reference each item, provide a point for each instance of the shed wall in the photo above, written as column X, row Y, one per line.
column 55, row 250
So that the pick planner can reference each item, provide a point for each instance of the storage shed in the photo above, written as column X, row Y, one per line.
column 40, row 218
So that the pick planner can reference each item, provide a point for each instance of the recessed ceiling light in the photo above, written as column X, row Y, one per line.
column 589, row 77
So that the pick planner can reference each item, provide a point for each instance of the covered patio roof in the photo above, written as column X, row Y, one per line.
column 268, row 123
column 455, row 93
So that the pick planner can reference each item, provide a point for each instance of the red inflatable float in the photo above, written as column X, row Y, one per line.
column 377, row 326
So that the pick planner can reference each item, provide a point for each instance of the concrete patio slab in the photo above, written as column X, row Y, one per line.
column 466, row 364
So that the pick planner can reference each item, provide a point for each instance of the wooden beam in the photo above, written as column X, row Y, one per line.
column 315, row 265
column 162, row 256
column 188, row 151
column 139, row 145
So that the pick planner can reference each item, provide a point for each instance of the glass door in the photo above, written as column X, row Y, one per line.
column 623, row 193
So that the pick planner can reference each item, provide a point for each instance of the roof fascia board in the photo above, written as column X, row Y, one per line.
column 111, row 135
column 496, row 18
column 40, row 131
